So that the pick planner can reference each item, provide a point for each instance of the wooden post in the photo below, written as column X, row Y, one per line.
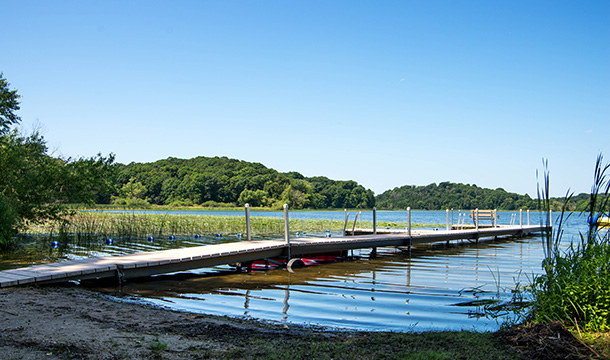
column 374, row 220
column 248, row 233
column 447, row 225
column 409, row 221
column 287, row 229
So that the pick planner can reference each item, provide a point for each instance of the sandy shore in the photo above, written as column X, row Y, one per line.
column 59, row 323
column 73, row 323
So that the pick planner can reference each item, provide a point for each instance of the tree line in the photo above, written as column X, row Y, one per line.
column 218, row 181
column 447, row 195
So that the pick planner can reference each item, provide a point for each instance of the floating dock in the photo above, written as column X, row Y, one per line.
column 168, row 261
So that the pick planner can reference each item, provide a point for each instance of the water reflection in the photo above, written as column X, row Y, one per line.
column 437, row 288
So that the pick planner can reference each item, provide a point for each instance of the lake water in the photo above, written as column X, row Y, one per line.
column 435, row 287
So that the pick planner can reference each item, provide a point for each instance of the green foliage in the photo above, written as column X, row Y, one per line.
column 28, row 190
column 9, row 104
column 575, row 286
column 132, row 194
column 204, row 180
column 34, row 185
column 448, row 195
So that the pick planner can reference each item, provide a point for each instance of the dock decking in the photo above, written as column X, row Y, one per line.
column 168, row 261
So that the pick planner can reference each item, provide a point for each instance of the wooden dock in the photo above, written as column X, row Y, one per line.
column 168, row 261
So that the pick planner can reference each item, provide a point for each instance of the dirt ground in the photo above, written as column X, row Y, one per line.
column 60, row 323
column 547, row 341
column 72, row 323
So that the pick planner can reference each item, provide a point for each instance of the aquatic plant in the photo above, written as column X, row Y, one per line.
column 97, row 224
column 575, row 285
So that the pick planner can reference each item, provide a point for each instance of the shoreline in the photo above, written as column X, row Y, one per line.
column 70, row 322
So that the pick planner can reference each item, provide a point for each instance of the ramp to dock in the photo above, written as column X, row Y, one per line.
column 168, row 261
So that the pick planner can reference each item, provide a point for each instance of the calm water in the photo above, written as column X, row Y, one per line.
column 433, row 288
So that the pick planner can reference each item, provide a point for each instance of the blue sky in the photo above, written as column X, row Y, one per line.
column 386, row 93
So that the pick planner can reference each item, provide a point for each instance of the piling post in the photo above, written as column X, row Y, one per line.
column 476, row 218
column 528, row 217
column 374, row 220
column 248, row 232
column 452, row 216
column 286, row 230
column 495, row 220
column 447, row 221
column 409, row 222
column 521, row 217
column 409, row 229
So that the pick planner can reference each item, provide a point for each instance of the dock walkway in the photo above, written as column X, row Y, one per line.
column 168, row 261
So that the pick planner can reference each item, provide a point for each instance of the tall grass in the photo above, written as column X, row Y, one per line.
column 103, row 224
column 575, row 285
column 90, row 224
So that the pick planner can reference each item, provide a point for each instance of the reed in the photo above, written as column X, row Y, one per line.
column 575, row 286
column 91, row 224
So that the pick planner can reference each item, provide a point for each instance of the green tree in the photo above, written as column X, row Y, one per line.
column 132, row 193
column 9, row 104
column 253, row 197
column 33, row 185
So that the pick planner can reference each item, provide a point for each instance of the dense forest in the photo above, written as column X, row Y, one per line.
column 220, row 181
column 212, row 181
column 448, row 195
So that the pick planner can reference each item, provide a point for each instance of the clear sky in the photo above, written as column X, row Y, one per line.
column 386, row 93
